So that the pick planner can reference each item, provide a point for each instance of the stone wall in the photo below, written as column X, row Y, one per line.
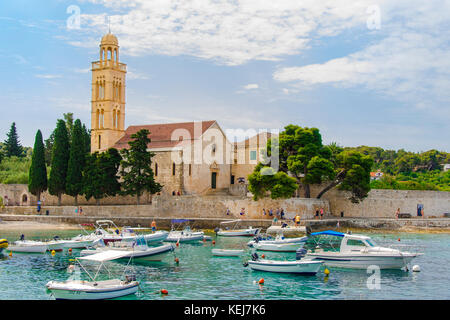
column 384, row 203
column 188, row 207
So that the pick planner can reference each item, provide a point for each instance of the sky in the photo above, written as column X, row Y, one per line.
column 373, row 73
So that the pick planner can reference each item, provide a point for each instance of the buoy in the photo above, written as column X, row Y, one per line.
column 164, row 291
column 214, row 242
column 326, row 271
column 177, row 244
column 70, row 250
column 263, row 256
column 416, row 268
column 177, row 260
column 10, row 253
column 53, row 252
column 261, row 281
column 398, row 239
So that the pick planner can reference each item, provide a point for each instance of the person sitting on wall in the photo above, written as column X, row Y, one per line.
column 242, row 211
column 270, row 213
column 317, row 214
column 297, row 219
column 228, row 212
column 282, row 214
column 173, row 192
column 153, row 226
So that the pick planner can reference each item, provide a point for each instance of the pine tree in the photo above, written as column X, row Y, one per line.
column 37, row 178
column 12, row 145
column 60, row 158
column 137, row 173
column 76, row 162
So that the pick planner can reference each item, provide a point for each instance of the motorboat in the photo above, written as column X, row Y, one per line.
column 185, row 235
column 298, row 266
column 3, row 244
column 234, row 231
column 28, row 246
column 126, row 234
column 95, row 289
column 279, row 243
column 136, row 251
column 286, row 228
column 357, row 252
column 227, row 252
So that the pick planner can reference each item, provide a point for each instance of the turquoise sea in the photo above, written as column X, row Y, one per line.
column 199, row 275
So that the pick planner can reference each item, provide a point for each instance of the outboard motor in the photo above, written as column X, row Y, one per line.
column 300, row 253
column 129, row 278
column 22, row 237
column 216, row 229
column 255, row 256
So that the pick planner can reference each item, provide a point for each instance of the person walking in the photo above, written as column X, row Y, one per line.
column 228, row 211
column 317, row 214
column 397, row 213
column 282, row 214
column 264, row 212
column 297, row 220
column 153, row 226
column 321, row 213
column 270, row 212
column 81, row 211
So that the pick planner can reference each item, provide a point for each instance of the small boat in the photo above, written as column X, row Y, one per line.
column 227, row 252
column 28, row 246
column 358, row 252
column 137, row 252
column 95, row 289
column 300, row 266
column 280, row 243
column 3, row 244
column 234, row 232
column 127, row 234
column 286, row 228
column 185, row 235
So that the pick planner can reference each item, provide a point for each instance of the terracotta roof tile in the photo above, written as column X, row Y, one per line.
column 161, row 134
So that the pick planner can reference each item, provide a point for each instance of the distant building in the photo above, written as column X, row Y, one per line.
column 446, row 167
column 376, row 175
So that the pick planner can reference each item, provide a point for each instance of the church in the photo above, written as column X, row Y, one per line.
column 193, row 158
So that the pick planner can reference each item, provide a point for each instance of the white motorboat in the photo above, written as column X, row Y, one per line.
column 83, row 241
column 280, row 243
column 227, row 252
column 95, row 289
column 359, row 252
column 234, row 232
column 126, row 234
column 301, row 266
column 138, row 252
column 286, row 229
column 28, row 246
column 185, row 235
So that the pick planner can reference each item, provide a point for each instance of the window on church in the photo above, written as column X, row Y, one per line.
column 173, row 169
column 99, row 142
column 156, row 169
column 253, row 155
column 232, row 179
column 190, row 169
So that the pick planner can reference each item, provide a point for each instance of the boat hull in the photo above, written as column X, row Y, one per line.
column 28, row 248
column 298, row 267
column 363, row 261
column 227, row 253
column 279, row 247
column 238, row 233
column 59, row 292
column 151, row 254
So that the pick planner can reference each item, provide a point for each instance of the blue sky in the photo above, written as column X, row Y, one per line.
column 364, row 72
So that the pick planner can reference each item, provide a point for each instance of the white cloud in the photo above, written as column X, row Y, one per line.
column 228, row 32
column 251, row 86
column 47, row 76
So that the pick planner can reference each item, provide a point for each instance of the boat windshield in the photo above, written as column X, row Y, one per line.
column 371, row 243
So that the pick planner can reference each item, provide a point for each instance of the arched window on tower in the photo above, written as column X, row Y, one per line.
column 114, row 119
column 97, row 119
column 99, row 142
column 173, row 168
column 156, row 169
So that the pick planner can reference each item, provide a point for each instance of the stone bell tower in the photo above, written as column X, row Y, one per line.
column 108, row 96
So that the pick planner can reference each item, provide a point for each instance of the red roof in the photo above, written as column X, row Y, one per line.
column 161, row 134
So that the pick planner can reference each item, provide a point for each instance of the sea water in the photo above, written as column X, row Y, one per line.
column 199, row 275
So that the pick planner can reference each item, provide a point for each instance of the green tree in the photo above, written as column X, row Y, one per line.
column 48, row 148
column 74, row 183
column 137, row 174
column 37, row 177
column 352, row 174
column 60, row 159
column 100, row 177
column 264, row 179
column 12, row 145
column 68, row 119
column 87, row 139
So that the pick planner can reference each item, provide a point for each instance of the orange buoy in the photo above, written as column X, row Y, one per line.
column 70, row 250
column 177, row 260
column 164, row 291
column 177, row 244
column 214, row 242
column 261, row 281
column 10, row 253
column 263, row 256
column 398, row 239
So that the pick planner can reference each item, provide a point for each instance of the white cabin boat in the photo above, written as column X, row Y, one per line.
column 185, row 235
column 298, row 266
column 234, row 231
column 137, row 252
column 95, row 289
column 28, row 246
column 280, row 243
column 360, row 252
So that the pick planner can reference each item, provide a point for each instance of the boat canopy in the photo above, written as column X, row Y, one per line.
column 106, row 255
column 329, row 233
column 180, row 220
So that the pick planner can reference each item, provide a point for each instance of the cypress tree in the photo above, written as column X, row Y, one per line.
column 60, row 158
column 136, row 172
column 37, row 178
column 87, row 138
column 76, row 162
column 12, row 145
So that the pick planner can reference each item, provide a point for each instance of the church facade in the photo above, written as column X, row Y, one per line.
column 190, row 157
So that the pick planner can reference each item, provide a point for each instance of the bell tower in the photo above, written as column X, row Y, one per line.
column 108, row 96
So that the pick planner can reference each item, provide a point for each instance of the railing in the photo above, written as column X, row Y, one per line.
column 96, row 65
